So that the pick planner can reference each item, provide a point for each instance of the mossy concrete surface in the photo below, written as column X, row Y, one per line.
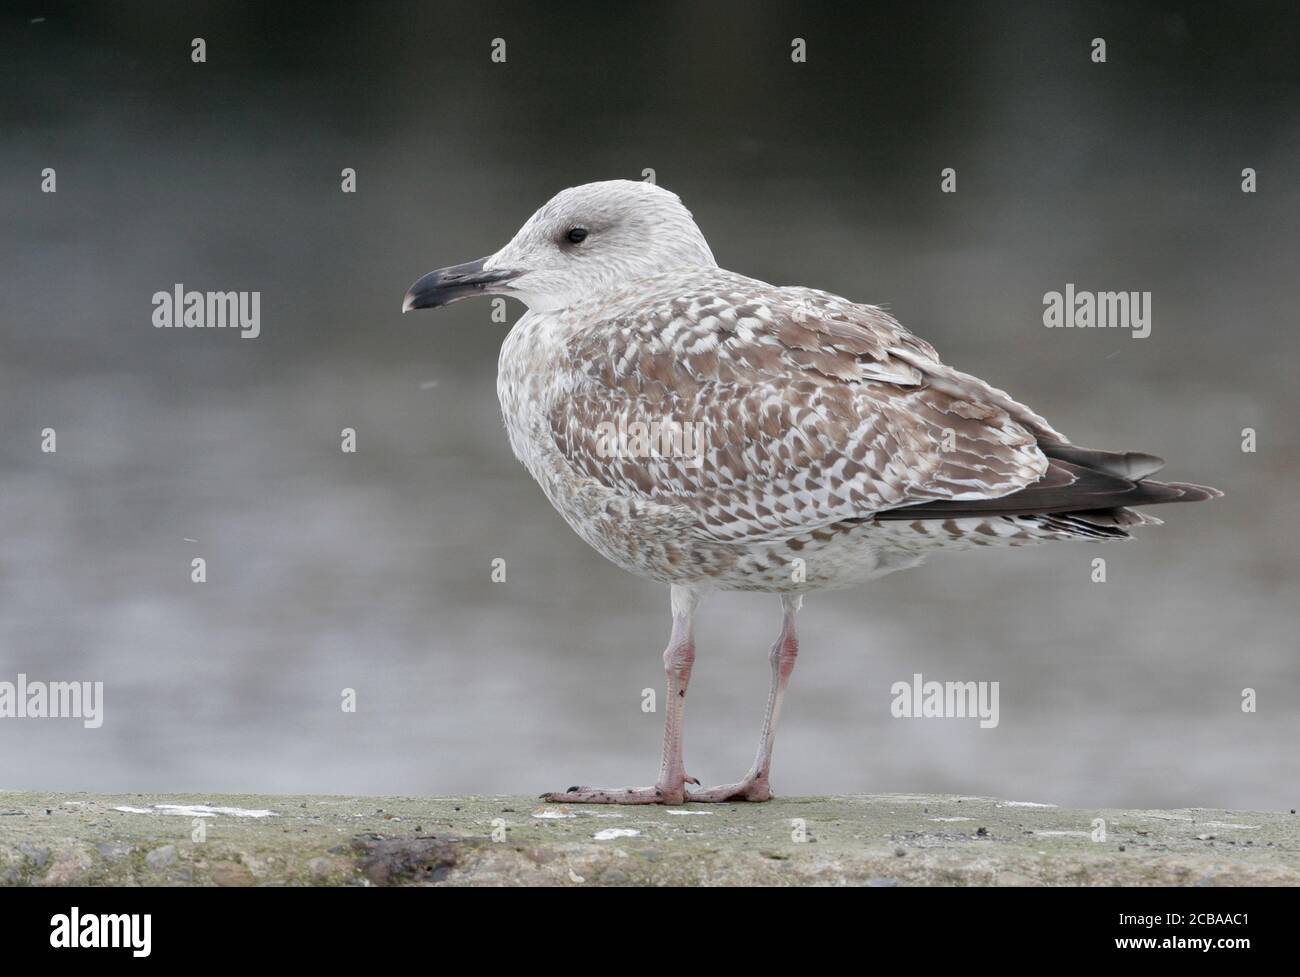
column 876, row 840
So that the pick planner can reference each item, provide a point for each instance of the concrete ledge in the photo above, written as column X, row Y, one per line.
column 150, row 839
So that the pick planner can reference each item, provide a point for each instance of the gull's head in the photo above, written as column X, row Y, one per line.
column 583, row 242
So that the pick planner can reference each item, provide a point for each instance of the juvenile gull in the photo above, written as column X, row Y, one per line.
column 828, row 445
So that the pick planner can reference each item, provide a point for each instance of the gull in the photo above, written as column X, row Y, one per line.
column 710, row 431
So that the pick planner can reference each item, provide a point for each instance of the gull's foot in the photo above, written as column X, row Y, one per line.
column 658, row 794
column 750, row 789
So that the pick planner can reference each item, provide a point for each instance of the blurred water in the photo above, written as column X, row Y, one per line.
column 371, row 571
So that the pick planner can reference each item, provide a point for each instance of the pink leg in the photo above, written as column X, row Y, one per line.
column 754, row 786
column 679, row 656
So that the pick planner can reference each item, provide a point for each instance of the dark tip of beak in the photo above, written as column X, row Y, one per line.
column 447, row 285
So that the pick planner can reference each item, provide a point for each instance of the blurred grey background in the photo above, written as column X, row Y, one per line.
column 371, row 571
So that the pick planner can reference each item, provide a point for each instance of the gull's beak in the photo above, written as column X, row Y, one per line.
column 447, row 285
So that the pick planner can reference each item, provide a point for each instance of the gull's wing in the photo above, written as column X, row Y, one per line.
column 799, row 409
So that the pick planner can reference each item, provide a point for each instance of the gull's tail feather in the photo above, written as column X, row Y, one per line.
column 1133, row 465
column 1082, row 487
column 1189, row 492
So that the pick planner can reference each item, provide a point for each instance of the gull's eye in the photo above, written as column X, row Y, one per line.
column 576, row 235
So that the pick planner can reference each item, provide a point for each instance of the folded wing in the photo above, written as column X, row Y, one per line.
column 781, row 410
